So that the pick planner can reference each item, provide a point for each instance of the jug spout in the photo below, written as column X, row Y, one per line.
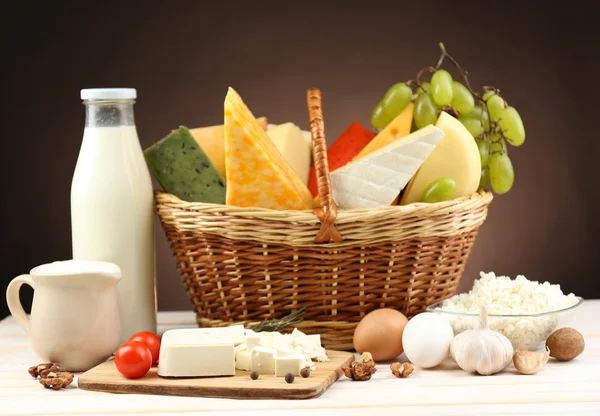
column 78, row 272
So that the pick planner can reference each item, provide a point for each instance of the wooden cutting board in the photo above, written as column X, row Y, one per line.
column 105, row 377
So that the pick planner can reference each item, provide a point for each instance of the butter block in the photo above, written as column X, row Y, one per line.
column 342, row 151
column 375, row 180
column 294, row 146
column 184, row 170
column 289, row 364
column 212, row 140
column 263, row 360
column 243, row 360
column 257, row 174
column 196, row 353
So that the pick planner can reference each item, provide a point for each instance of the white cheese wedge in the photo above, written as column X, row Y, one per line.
column 289, row 364
column 243, row 360
column 263, row 360
column 294, row 145
column 184, row 352
column 376, row 179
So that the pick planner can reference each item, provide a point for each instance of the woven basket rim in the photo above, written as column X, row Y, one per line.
column 416, row 209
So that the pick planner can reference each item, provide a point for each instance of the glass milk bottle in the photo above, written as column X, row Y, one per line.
column 112, row 206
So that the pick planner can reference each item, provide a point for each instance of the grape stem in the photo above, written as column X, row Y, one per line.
column 494, row 125
column 429, row 69
column 463, row 73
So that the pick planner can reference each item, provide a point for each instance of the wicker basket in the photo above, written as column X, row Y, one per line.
column 249, row 264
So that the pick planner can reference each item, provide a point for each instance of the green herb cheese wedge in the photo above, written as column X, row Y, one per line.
column 184, row 170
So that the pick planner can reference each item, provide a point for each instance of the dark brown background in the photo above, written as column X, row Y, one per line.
column 181, row 59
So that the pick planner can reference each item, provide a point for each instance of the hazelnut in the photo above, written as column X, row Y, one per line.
column 565, row 344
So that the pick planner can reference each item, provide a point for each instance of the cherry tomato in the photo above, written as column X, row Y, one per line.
column 151, row 341
column 133, row 359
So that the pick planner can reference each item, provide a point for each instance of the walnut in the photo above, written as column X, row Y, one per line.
column 41, row 370
column 402, row 370
column 366, row 357
column 56, row 380
column 361, row 369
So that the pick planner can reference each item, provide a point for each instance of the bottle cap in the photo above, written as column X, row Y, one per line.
column 108, row 94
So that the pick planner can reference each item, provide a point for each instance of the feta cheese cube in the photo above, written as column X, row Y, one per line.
column 283, row 350
column 252, row 340
column 297, row 334
column 313, row 341
column 243, row 360
column 237, row 333
column 240, row 347
column 288, row 364
column 268, row 339
column 263, row 360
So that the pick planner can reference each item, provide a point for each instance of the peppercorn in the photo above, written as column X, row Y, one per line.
column 289, row 378
column 254, row 375
column 305, row 372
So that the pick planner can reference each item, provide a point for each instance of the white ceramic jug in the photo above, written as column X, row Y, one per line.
column 74, row 316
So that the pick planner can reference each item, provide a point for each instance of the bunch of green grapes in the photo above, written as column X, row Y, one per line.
column 488, row 117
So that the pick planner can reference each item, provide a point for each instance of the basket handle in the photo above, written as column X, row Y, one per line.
column 327, row 213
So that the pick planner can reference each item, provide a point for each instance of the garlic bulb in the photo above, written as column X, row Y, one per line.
column 482, row 350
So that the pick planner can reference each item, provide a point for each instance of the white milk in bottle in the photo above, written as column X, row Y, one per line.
column 112, row 211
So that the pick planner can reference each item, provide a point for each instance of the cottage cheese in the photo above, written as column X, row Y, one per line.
column 505, row 296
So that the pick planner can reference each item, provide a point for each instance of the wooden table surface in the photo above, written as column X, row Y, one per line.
column 560, row 389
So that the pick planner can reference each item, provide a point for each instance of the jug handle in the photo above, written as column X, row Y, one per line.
column 14, row 302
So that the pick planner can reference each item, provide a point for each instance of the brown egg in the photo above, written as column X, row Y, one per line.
column 380, row 333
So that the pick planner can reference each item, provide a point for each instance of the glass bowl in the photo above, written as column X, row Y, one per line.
column 527, row 331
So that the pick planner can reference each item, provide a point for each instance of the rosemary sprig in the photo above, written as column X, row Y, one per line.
column 273, row 325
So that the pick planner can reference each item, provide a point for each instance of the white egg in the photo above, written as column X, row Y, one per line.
column 426, row 339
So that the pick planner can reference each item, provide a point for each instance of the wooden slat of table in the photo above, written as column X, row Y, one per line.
column 561, row 388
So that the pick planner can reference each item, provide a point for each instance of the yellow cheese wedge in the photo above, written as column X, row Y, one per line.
column 257, row 174
column 294, row 146
column 456, row 156
column 398, row 128
column 212, row 140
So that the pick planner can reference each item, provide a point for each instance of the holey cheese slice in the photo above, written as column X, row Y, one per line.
column 398, row 128
column 376, row 180
column 257, row 173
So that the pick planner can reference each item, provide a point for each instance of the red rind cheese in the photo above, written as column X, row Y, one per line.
column 345, row 148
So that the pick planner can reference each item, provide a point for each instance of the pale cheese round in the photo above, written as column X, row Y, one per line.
column 456, row 156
